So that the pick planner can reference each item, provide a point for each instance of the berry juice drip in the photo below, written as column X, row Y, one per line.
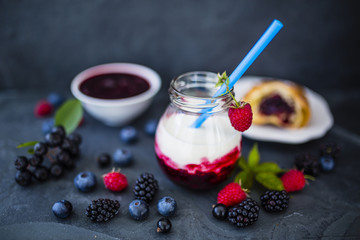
column 114, row 86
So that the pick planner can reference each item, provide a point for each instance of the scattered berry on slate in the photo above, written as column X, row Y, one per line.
column 85, row 181
column 75, row 138
column 123, row 157
column 145, row 187
column 40, row 149
column 53, row 139
column 35, row 160
column 327, row 163
column 41, row 173
column 139, row 209
column 275, row 201
column 55, row 99
column 21, row 163
column 23, row 177
column 102, row 210
column 43, row 108
column 62, row 209
column 331, row 149
column 128, row 134
column 293, row 180
column 163, row 225
column 167, row 206
column 56, row 170
column 307, row 163
column 220, row 211
column 244, row 214
column 115, row 181
column 150, row 127
column 103, row 160
column 47, row 125
column 231, row 194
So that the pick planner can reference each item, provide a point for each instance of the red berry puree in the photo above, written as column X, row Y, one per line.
column 114, row 86
column 199, row 176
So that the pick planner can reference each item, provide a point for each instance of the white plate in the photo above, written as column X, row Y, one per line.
column 321, row 118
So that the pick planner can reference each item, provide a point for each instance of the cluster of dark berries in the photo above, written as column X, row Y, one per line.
column 242, row 215
column 102, row 210
column 312, row 165
column 59, row 149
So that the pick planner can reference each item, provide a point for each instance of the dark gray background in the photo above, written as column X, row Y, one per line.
column 44, row 44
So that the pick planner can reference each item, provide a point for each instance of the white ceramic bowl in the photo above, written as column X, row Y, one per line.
column 117, row 112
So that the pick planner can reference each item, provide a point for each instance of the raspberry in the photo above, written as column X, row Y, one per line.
column 293, row 180
column 231, row 194
column 43, row 108
column 115, row 181
column 241, row 117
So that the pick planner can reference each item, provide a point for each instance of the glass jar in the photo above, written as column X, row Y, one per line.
column 200, row 157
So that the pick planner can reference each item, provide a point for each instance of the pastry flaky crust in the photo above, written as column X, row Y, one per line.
column 292, row 93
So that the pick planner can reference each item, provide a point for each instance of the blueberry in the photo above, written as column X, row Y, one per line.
column 62, row 209
column 21, row 163
column 163, row 225
column 150, row 127
column 123, row 157
column 128, row 134
column 55, row 99
column 327, row 163
column 103, row 160
column 167, row 206
column 47, row 125
column 85, row 181
column 139, row 209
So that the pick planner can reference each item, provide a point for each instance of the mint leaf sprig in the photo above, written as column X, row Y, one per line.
column 264, row 173
column 68, row 115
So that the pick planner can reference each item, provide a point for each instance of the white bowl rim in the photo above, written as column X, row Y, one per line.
column 147, row 73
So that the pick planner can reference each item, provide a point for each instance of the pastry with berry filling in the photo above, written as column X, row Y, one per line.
column 279, row 103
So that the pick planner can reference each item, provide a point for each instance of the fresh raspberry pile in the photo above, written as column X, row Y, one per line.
column 241, row 117
column 115, row 181
column 231, row 195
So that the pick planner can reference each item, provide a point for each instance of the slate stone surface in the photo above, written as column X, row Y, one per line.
column 328, row 208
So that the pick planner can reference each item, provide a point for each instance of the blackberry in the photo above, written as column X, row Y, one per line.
column 21, row 163
column 145, row 187
column 275, row 201
column 307, row 163
column 331, row 149
column 102, row 210
column 244, row 214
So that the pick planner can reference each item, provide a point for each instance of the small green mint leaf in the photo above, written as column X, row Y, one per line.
column 270, row 181
column 242, row 163
column 31, row 151
column 246, row 178
column 254, row 157
column 27, row 144
column 69, row 115
column 312, row 178
column 268, row 167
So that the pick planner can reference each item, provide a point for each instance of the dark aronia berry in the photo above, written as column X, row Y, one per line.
column 35, row 160
column 23, row 178
column 53, row 139
column 75, row 138
column 21, row 163
column 163, row 225
column 40, row 149
column 59, row 130
column 41, row 173
column 103, row 159
column 56, row 170
column 220, row 211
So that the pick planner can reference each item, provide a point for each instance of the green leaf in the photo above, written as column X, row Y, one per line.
column 254, row 156
column 30, row 151
column 243, row 164
column 246, row 178
column 69, row 115
column 268, row 167
column 270, row 181
column 27, row 144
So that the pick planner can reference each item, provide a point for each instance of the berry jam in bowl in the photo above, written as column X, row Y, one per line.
column 198, row 158
column 116, row 93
